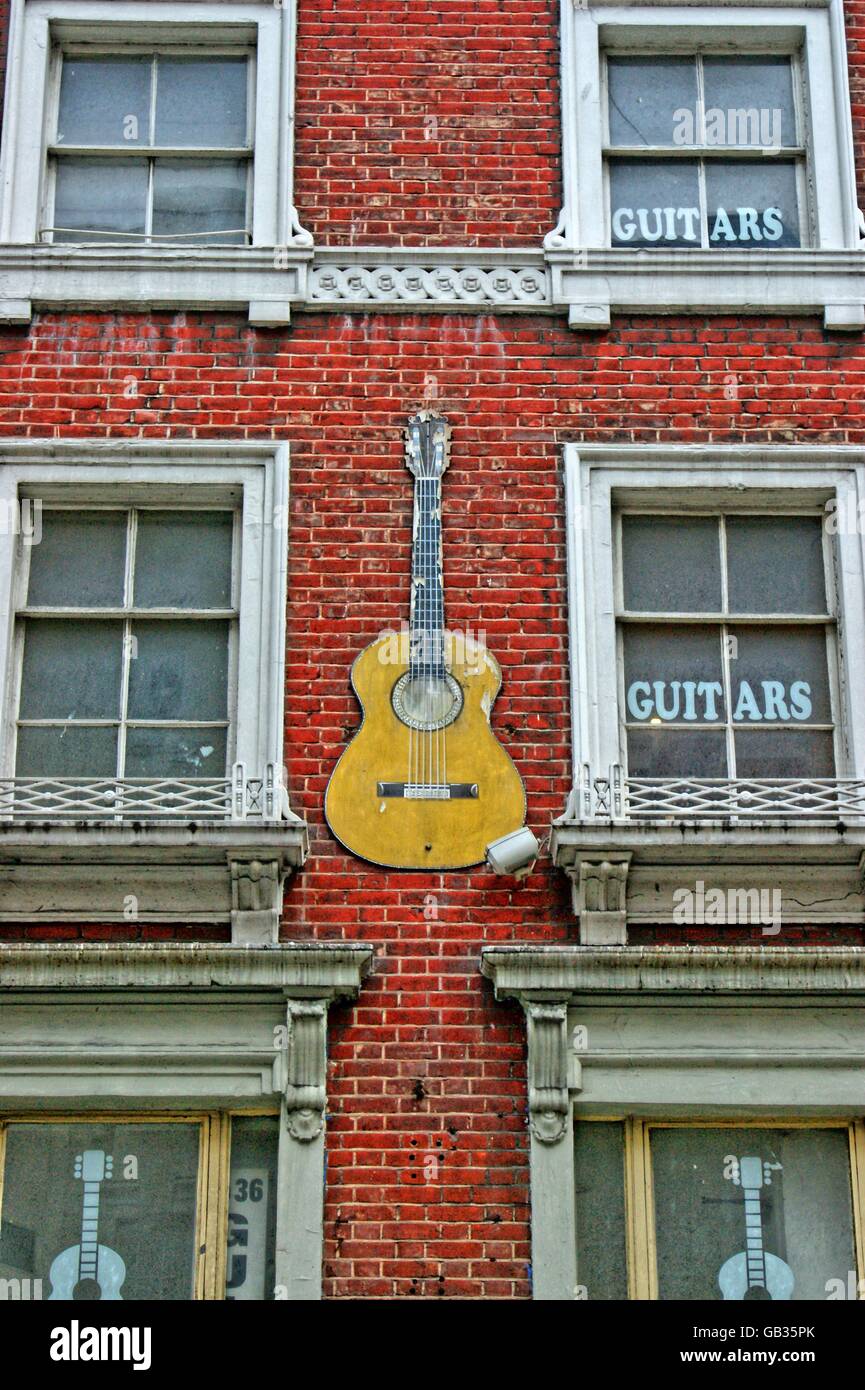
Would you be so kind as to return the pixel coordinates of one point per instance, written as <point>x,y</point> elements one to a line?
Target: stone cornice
<point>321,970</point>
<point>559,972</point>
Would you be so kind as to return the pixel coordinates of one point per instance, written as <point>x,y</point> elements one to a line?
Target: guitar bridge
<point>429,791</point>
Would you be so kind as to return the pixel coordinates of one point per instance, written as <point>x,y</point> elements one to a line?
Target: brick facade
<point>431,124</point>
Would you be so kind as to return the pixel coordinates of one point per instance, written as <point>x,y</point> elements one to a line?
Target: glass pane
<point>671,564</point>
<point>250,1273</point>
<point>104,101</point>
<point>179,671</point>
<point>785,753</point>
<point>780,675</point>
<point>660,752</point>
<point>775,564</point>
<point>71,670</point>
<point>654,202</point>
<point>673,674</point>
<point>183,560</point>
<point>101,1211</point>
<point>749,101</point>
<point>67,750</point>
<point>201,101</point>
<point>752,203</point>
<point>190,196</point>
<point>176,752</point>
<point>780,1196</point>
<point>600,1193</point>
<point>646,96</point>
<point>101,198</point>
<point>79,561</point>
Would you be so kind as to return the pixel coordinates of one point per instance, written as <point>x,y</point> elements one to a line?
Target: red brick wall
<point>427,1153</point>
<point>425,122</point>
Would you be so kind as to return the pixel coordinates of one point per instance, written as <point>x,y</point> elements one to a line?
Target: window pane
<point>799,1229</point>
<point>190,196</point>
<point>785,753</point>
<point>600,1194</point>
<point>179,671</point>
<point>99,1211</point>
<point>660,752</point>
<point>101,197</point>
<point>176,752</point>
<point>749,101</point>
<point>201,101</point>
<point>671,564</point>
<point>780,675</point>
<point>752,203</point>
<point>250,1272</point>
<point>654,202</point>
<point>183,560</point>
<point>775,564</point>
<point>67,750</point>
<point>673,674</point>
<point>71,670</point>
<point>104,101</point>
<point>79,561</point>
<point>644,95</point>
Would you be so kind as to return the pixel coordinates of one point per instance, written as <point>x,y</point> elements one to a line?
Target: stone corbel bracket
<point>548,1069</point>
<point>256,899</point>
<point>599,894</point>
<point>305,1077</point>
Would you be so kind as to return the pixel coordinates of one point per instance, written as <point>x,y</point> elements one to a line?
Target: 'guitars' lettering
<point>698,701</point>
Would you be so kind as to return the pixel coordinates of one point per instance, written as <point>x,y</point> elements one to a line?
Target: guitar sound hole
<point>427,702</point>
<point>86,1290</point>
<point>756,1294</point>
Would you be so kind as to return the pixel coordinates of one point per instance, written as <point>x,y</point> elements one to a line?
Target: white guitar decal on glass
<point>755,1273</point>
<point>89,1270</point>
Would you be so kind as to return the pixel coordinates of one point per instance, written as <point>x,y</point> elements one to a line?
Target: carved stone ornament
<point>599,893</point>
<point>548,1070</point>
<point>306,1069</point>
<point>256,900</point>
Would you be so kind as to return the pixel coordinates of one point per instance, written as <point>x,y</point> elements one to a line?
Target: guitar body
<point>65,1273</point>
<point>734,1283</point>
<point>424,833</point>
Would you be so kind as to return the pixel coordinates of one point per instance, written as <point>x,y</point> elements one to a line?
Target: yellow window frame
<point>212,1189</point>
<point>640,1242</point>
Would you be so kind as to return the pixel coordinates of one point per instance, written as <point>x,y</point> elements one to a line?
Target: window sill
<point>697,872</point>
<point>264,281</point>
<point>594,283</point>
<point>167,871</point>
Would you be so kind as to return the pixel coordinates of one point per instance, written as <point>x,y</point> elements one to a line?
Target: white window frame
<point>591,276</point>
<point>252,478</point>
<point>266,276</point>
<point>599,478</point>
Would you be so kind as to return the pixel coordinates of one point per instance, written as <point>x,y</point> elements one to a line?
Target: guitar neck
<point>427,621</point>
<point>754,1239</point>
<point>89,1244</point>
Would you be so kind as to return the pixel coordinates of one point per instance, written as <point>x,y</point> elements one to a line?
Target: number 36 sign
<point>247,1235</point>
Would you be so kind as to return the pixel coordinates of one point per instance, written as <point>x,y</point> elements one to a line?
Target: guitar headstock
<point>93,1166</point>
<point>427,446</point>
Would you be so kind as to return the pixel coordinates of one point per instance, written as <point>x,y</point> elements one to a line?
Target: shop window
<point>706,150</point>
<point>727,648</point>
<point>728,1212</point>
<point>139,1208</point>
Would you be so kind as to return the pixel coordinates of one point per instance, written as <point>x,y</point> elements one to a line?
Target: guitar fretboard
<point>754,1239</point>
<point>426,626</point>
<point>89,1245</point>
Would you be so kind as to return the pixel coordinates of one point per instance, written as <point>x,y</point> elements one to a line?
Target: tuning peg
<point>109,1167</point>
<point>78,1165</point>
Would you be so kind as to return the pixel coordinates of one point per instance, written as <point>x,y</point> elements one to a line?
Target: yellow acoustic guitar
<point>425,784</point>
